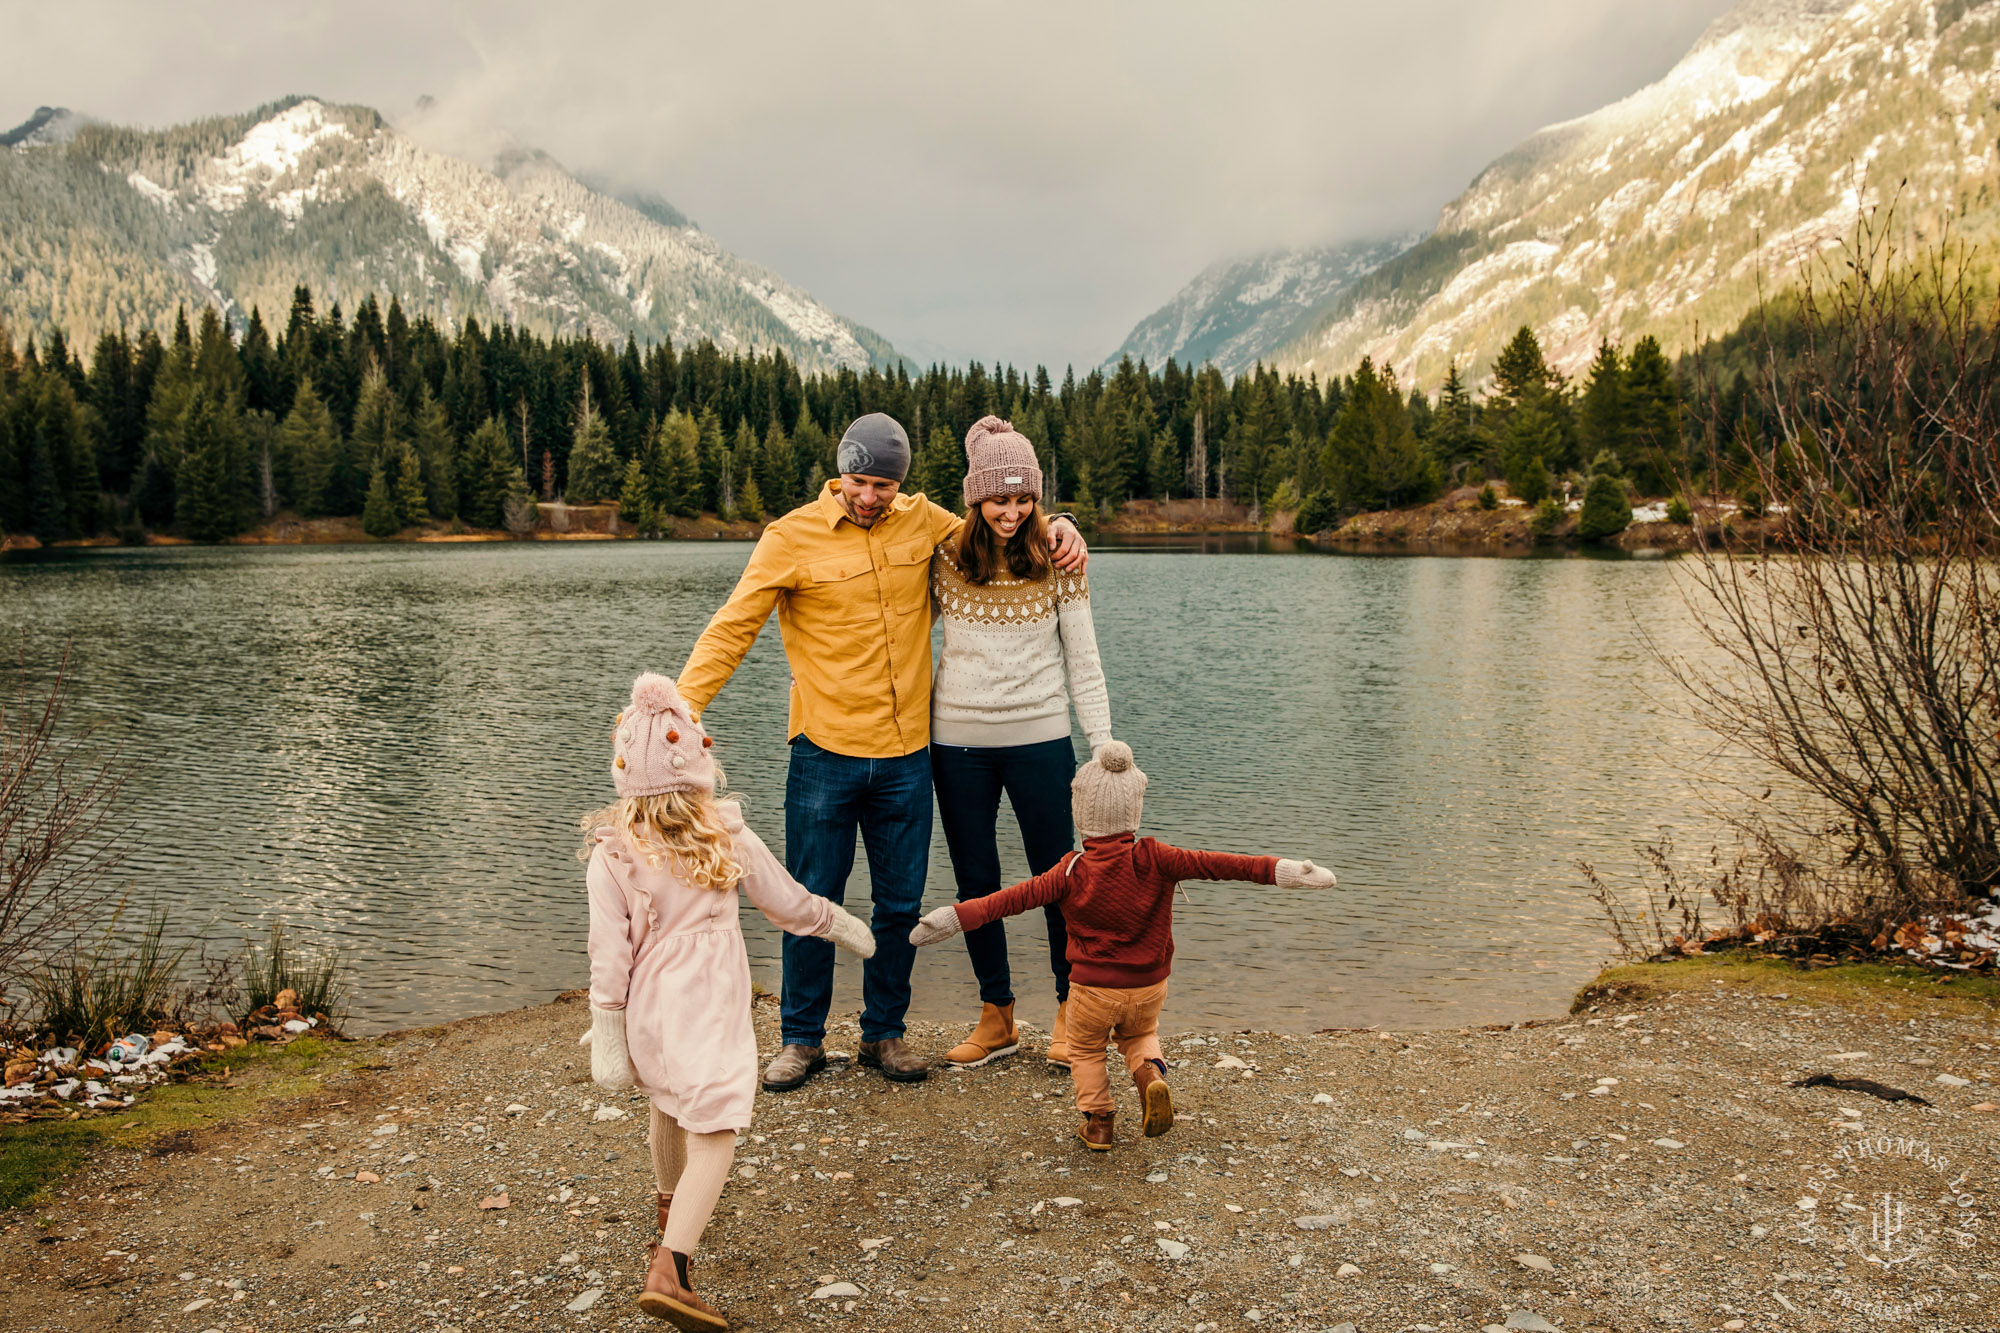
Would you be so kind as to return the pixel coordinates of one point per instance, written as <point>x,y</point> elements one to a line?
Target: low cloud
<point>1018,182</point>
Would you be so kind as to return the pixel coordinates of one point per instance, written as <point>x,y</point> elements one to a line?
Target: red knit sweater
<point>1117,898</point>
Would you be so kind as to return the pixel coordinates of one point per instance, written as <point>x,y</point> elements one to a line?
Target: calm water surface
<point>386,747</point>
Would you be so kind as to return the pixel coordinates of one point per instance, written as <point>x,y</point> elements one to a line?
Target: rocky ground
<point>1642,1164</point>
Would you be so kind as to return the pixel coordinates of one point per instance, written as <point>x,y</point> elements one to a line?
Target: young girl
<point>1117,896</point>
<point>669,978</point>
<point>1019,652</point>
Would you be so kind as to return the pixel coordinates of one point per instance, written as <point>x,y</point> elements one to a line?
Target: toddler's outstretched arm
<point>1186,863</point>
<point>949,920</point>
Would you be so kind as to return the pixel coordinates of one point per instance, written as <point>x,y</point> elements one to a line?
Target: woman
<point>1019,650</point>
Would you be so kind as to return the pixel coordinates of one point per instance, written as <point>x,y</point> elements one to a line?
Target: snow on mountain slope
<point>1239,312</point>
<point>240,210</point>
<point>1670,212</point>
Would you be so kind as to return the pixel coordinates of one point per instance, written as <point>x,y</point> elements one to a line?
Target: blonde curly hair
<point>682,826</point>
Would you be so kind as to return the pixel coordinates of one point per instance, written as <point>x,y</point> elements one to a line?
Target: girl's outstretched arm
<point>1185,863</point>
<point>790,906</point>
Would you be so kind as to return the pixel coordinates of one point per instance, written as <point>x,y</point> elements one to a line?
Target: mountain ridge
<point>1673,211</point>
<point>117,226</point>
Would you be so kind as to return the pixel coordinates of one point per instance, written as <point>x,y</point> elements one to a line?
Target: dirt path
<point>1445,1180</point>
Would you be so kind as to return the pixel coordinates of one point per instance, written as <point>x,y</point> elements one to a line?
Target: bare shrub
<point>1856,649</point>
<point>60,806</point>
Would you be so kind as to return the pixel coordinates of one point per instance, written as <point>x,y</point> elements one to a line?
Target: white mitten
<point>1304,875</point>
<point>851,933</point>
<point>610,1060</point>
<point>939,925</point>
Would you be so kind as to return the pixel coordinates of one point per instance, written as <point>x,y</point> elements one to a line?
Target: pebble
<point>569,1257</point>
<point>1173,1249</point>
<point>1440,1268</point>
<point>1322,1099</point>
<point>1534,1261</point>
<point>1850,1055</point>
<point>1734,1324</point>
<point>1669,1144</point>
<point>1316,1222</point>
<point>1526,1321</point>
<point>515,1108</point>
<point>367,1178</point>
<point>835,1290</point>
<point>583,1300</point>
<point>1065,1201</point>
<point>1954,1081</point>
<point>1156,1178</point>
<point>383,1131</point>
<point>192,1306</point>
<point>496,1201</point>
<point>1415,1135</point>
<point>1347,1270</point>
<point>1230,1062</point>
<point>1987,1106</point>
<point>609,1113</point>
<point>1344,1328</point>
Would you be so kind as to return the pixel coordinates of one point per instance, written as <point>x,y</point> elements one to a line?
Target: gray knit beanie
<point>1106,795</point>
<point>999,461</point>
<point>875,446</point>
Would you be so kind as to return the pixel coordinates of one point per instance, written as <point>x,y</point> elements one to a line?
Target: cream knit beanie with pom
<point>999,461</point>
<point>1106,795</point>
<point>657,746</point>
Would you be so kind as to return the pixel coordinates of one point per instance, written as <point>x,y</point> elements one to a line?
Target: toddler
<point>1117,898</point>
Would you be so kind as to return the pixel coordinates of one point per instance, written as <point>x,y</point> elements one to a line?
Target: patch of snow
<point>270,151</point>
<point>165,198</point>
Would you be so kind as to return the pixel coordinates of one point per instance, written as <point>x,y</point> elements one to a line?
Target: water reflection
<point>387,747</point>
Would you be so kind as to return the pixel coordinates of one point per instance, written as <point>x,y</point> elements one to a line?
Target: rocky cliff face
<point>1239,312</point>
<point>120,225</point>
<point>1668,213</point>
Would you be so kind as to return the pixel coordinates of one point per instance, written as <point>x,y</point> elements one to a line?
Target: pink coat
<point>672,958</point>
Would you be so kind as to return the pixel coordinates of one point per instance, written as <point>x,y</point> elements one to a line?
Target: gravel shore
<point>1643,1164</point>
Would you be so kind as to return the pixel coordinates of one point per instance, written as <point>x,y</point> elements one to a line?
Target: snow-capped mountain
<point>1239,312</point>
<point>1671,212</point>
<point>120,225</point>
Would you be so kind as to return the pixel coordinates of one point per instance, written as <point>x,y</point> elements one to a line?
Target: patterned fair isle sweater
<point>1016,655</point>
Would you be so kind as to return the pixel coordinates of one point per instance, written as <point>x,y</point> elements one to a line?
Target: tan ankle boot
<point>1156,1097</point>
<point>667,1295</point>
<point>1059,1038</point>
<point>994,1037</point>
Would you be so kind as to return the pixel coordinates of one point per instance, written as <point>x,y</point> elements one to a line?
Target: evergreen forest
<point>213,430</point>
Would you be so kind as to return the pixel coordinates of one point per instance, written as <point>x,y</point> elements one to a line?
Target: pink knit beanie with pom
<point>999,461</point>
<point>658,746</point>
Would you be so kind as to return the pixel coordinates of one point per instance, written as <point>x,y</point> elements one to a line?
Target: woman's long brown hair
<point>1026,553</point>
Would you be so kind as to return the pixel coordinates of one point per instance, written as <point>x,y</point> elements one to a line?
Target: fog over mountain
<point>1019,182</point>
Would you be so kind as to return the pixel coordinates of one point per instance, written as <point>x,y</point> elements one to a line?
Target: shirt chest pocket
<point>908,577</point>
<point>840,589</point>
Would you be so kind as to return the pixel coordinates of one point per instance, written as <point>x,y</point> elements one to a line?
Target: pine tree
<point>713,464</point>
<point>678,484</point>
<point>1372,455</point>
<point>1520,369</point>
<point>412,500</point>
<point>1653,454</point>
<point>1605,422</point>
<point>1453,440</point>
<point>931,472</point>
<point>778,477</point>
<point>378,511</point>
<point>635,501</point>
<point>750,504</point>
<point>489,475</point>
<point>206,506</point>
<point>307,442</point>
<point>436,454</point>
<point>594,473</point>
<point>1533,440</point>
<point>743,474</point>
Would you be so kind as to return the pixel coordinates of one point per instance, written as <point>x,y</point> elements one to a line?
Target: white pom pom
<point>1115,757</point>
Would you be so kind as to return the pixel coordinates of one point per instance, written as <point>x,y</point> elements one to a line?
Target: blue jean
<point>1035,778</point>
<point>827,797</point>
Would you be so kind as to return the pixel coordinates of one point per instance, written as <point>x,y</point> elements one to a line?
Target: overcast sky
<point>1016,181</point>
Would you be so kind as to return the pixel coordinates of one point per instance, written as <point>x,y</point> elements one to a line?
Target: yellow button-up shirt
<point>854,607</point>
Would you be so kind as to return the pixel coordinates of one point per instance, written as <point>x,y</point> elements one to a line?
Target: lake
<point>387,748</point>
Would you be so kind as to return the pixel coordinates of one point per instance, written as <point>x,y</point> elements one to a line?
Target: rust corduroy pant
<point>1100,1014</point>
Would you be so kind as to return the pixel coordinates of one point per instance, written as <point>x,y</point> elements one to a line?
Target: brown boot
<point>667,1295</point>
<point>1096,1131</point>
<point>994,1037</point>
<point>1059,1038</point>
<point>898,1063</point>
<point>1156,1097</point>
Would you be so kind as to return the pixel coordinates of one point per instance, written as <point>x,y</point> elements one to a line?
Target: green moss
<point>1887,988</point>
<point>37,1155</point>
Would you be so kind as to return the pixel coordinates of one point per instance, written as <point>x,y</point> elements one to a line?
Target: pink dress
<point>672,958</point>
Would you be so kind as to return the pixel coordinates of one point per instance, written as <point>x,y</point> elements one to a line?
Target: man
<point>849,576</point>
